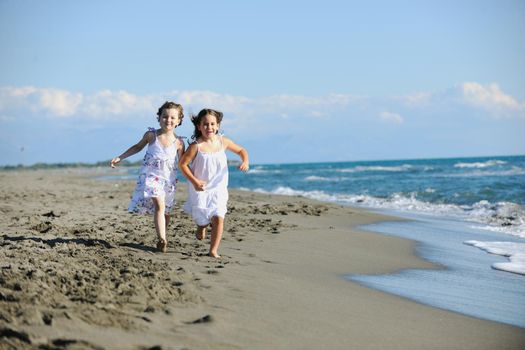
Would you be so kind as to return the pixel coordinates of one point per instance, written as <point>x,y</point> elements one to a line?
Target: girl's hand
<point>199,185</point>
<point>244,167</point>
<point>114,162</point>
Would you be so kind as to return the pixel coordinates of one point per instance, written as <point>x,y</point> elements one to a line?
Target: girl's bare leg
<point>216,235</point>
<point>160,223</point>
<point>200,233</point>
<point>167,219</point>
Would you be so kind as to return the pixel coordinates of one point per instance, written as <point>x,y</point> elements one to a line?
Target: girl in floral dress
<point>155,190</point>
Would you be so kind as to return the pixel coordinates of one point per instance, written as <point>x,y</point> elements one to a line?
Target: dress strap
<point>222,141</point>
<point>154,131</point>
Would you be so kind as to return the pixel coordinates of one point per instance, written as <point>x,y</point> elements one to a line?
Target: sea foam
<point>514,171</point>
<point>313,178</point>
<point>360,168</point>
<point>514,251</point>
<point>260,170</point>
<point>488,163</point>
<point>504,217</point>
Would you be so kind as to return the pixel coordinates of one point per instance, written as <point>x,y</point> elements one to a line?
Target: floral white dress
<point>157,177</point>
<point>211,167</point>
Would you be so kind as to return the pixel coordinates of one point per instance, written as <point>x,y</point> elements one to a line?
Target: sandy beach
<point>79,272</point>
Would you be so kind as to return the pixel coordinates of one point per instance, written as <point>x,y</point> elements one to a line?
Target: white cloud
<point>266,120</point>
<point>490,98</point>
<point>391,117</point>
<point>415,99</point>
<point>317,114</point>
<point>59,102</point>
<point>245,112</point>
<point>20,91</point>
<point>293,102</point>
<point>209,99</point>
<point>106,103</point>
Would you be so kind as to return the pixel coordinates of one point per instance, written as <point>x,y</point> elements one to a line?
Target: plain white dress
<point>211,167</point>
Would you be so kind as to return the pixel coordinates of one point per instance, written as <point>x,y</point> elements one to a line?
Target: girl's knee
<point>158,204</point>
<point>217,222</point>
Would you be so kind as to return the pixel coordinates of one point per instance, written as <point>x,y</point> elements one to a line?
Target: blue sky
<point>298,81</point>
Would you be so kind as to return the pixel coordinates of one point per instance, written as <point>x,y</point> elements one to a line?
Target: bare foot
<point>214,255</point>
<point>162,246</point>
<point>200,234</point>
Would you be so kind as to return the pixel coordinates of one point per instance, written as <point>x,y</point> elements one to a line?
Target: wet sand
<point>79,272</point>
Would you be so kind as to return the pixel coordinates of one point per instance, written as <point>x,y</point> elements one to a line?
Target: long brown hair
<point>196,120</point>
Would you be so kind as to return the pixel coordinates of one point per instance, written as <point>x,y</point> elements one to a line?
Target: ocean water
<point>468,215</point>
<point>466,283</point>
<point>488,191</point>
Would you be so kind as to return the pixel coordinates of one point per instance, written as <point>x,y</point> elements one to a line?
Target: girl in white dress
<point>155,190</point>
<point>206,167</point>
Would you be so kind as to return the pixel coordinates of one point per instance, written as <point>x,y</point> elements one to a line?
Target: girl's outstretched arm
<point>241,152</point>
<point>136,148</point>
<point>184,166</point>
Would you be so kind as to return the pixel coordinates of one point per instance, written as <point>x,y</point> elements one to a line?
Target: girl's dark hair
<point>172,105</point>
<point>196,120</point>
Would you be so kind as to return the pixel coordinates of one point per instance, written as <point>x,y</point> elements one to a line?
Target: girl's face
<point>169,119</point>
<point>208,126</point>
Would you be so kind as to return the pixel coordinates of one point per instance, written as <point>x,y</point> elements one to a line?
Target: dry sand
<point>78,272</point>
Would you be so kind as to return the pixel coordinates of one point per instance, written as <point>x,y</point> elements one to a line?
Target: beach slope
<point>78,272</point>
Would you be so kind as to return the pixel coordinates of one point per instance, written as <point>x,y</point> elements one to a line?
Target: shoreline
<point>93,278</point>
<point>468,284</point>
